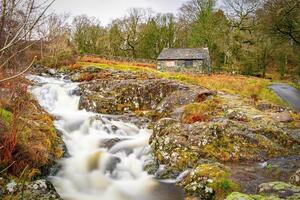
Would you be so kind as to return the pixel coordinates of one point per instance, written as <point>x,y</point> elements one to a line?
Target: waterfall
<point>107,156</point>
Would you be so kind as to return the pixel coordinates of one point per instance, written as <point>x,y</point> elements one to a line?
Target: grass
<point>28,137</point>
<point>91,59</point>
<point>201,111</point>
<point>6,115</point>
<point>249,87</point>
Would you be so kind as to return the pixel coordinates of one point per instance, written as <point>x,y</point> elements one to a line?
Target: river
<point>106,156</point>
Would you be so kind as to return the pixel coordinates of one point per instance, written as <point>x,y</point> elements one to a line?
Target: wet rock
<point>109,143</point>
<point>251,174</point>
<point>295,178</point>
<point>151,166</point>
<point>52,71</point>
<point>282,117</point>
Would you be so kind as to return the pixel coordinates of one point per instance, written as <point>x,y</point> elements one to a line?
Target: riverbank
<point>30,145</point>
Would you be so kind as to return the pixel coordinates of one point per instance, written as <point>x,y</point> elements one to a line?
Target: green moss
<point>240,196</point>
<point>213,178</point>
<point>268,95</point>
<point>223,187</point>
<point>295,85</point>
<point>6,116</point>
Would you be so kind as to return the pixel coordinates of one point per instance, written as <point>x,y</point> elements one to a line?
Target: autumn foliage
<point>27,136</point>
<point>94,59</point>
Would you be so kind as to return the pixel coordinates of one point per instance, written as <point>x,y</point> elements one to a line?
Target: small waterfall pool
<point>107,156</point>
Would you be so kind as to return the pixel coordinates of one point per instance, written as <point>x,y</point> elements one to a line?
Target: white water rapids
<point>95,171</point>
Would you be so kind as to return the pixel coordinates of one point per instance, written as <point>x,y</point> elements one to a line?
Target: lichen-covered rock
<point>281,190</point>
<point>127,93</point>
<point>241,196</point>
<point>208,181</point>
<point>182,145</point>
<point>270,191</point>
<point>36,190</point>
<point>282,117</point>
<point>121,96</point>
<point>295,178</point>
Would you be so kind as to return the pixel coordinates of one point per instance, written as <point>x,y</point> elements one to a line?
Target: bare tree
<point>191,11</point>
<point>130,30</point>
<point>18,21</point>
<point>282,18</point>
<point>242,12</point>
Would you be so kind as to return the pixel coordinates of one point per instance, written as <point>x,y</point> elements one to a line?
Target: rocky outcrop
<point>119,93</point>
<point>221,139</point>
<point>195,130</point>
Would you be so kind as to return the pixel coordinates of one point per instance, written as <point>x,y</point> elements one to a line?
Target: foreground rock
<point>36,190</point>
<point>221,139</point>
<point>123,96</point>
<point>270,191</point>
<point>199,137</point>
<point>140,93</point>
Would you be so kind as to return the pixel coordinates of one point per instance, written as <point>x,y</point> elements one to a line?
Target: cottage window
<point>170,63</point>
<point>189,63</point>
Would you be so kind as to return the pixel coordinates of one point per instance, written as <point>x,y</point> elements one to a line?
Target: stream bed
<point>106,156</point>
<point>111,156</point>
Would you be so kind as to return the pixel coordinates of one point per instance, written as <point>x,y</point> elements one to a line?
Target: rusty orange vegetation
<point>93,59</point>
<point>190,119</point>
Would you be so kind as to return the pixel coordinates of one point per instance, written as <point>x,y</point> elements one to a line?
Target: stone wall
<point>199,66</point>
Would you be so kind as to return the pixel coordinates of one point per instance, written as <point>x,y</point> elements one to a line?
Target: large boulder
<point>181,145</point>
<point>120,96</point>
<point>117,95</point>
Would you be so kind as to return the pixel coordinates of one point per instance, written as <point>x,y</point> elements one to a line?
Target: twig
<point>19,74</point>
<point>15,54</point>
<point>7,167</point>
<point>23,182</point>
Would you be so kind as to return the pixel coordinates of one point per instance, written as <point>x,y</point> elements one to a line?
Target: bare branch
<point>18,37</point>
<point>19,74</point>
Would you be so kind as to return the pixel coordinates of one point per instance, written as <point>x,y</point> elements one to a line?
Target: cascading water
<point>106,156</point>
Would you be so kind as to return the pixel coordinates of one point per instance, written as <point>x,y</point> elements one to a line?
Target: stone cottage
<point>186,60</point>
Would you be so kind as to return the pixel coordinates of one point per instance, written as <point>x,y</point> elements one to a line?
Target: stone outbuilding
<point>186,60</point>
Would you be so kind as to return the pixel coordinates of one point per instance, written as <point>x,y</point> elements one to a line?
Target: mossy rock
<point>208,181</point>
<point>240,196</point>
<point>271,191</point>
<point>281,190</point>
<point>223,139</point>
<point>127,92</point>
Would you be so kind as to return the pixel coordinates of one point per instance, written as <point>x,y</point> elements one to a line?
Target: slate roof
<point>184,54</point>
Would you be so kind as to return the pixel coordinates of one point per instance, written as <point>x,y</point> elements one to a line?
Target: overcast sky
<point>106,10</point>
